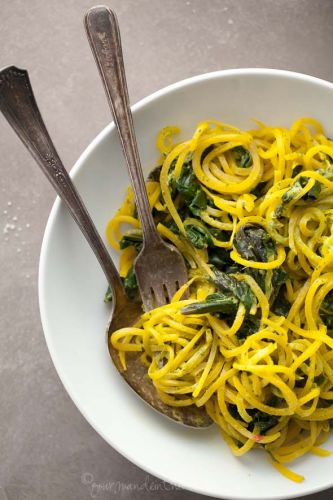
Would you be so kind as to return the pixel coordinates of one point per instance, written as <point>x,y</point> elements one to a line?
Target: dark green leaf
<point>275,401</point>
<point>297,170</point>
<point>230,285</point>
<point>242,157</point>
<point>108,295</point>
<point>184,212</point>
<point>281,306</point>
<point>264,421</point>
<point>254,243</point>
<point>279,277</point>
<point>206,152</point>
<point>154,175</point>
<point>187,184</point>
<point>190,190</point>
<point>214,303</point>
<point>198,235</point>
<point>130,284</point>
<point>320,379</point>
<point>324,403</point>
<point>326,310</point>
<point>219,234</point>
<point>250,325</point>
<point>132,238</point>
<point>199,202</point>
<point>260,189</point>
<point>259,275</point>
<point>171,180</point>
<point>172,226</point>
<point>219,257</point>
<point>279,212</point>
<point>234,412</point>
<point>292,192</point>
<point>300,380</point>
<point>297,187</point>
<point>314,192</point>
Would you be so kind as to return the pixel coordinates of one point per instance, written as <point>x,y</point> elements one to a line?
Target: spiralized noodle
<point>263,369</point>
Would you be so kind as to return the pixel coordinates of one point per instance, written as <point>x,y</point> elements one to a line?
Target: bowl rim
<point>46,238</point>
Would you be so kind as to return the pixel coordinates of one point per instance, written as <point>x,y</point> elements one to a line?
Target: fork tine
<point>160,297</point>
<point>147,298</point>
<point>171,287</point>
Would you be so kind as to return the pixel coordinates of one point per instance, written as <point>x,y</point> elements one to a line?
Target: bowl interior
<point>72,287</point>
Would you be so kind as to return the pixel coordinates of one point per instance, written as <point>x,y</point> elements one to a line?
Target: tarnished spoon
<point>18,104</point>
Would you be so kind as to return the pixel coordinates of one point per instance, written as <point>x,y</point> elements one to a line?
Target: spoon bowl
<point>18,104</point>
<point>127,313</point>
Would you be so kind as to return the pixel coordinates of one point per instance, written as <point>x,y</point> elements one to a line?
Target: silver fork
<point>159,267</point>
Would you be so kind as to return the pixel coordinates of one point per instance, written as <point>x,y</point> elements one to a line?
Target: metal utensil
<point>18,104</point>
<point>159,267</point>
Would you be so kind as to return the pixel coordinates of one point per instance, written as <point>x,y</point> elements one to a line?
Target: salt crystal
<point>8,227</point>
<point>5,212</point>
<point>14,218</point>
<point>9,203</point>
<point>27,225</point>
<point>230,21</point>
<point>18,250</point>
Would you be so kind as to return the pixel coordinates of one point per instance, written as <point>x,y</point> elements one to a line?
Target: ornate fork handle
<point>18,104</point>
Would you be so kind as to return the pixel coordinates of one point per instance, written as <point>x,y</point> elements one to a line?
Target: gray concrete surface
<point>48,450</point>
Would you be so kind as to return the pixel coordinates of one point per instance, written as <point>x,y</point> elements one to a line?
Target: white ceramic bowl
<point>72,286</point>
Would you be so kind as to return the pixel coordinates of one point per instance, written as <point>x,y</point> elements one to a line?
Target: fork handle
<point>18,104</point>
<point>104,37</point>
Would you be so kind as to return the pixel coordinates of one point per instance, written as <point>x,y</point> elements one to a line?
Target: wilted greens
<point>242,157</point>
<point>132,238</point>
<point>294,191</point>
<point>254,243</point>
<point>281,306</point>
<point>190,190</point>
<point>263,421</point>
<point>226,301</point>
<point>326,310</point>
<point>239,289</point>
<point>214,303</point>
<point>131,285</point>
<point>198,235</point>
<point>154,175</point>
<point>219,257</point>
<point>250,325</point>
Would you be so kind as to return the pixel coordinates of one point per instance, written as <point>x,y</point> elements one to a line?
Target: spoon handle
<point>18,104</point>
<point>103,34</point>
